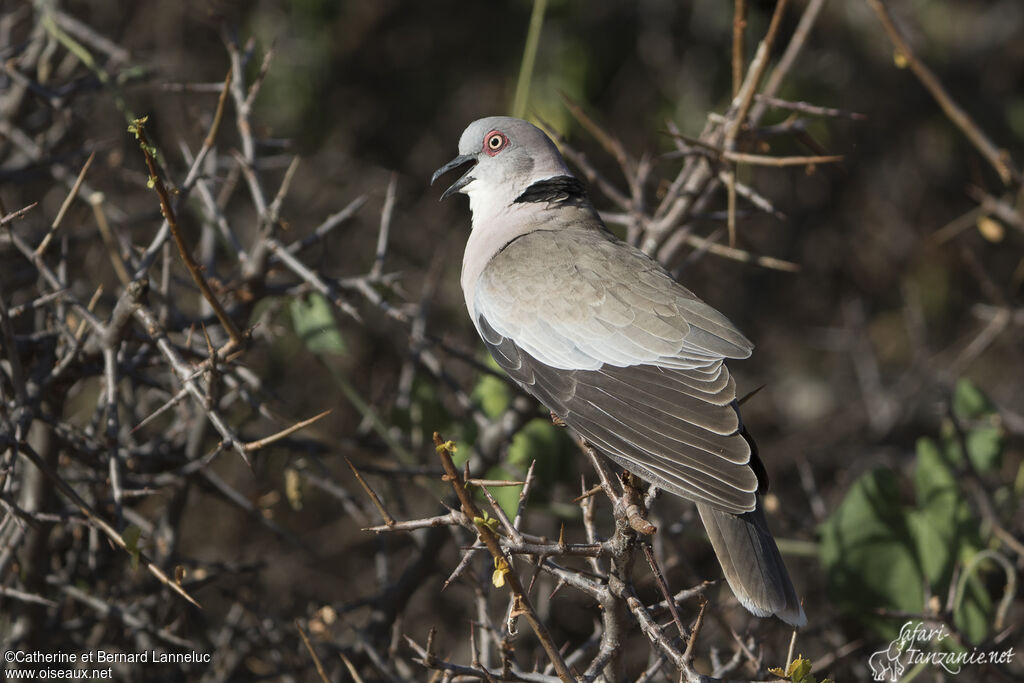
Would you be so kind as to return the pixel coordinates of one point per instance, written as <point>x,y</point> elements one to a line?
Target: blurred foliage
<point>313,322</point>
<point>539,442</point>
<point>882,552</point>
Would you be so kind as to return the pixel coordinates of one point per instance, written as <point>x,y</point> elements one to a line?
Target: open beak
<point>466,179</point>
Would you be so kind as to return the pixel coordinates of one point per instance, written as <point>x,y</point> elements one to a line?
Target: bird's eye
<point>494,142</point>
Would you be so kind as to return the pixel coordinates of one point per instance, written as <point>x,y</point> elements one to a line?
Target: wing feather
<point>577,298</point>
<point>676,427</point>
<point>630,359</point>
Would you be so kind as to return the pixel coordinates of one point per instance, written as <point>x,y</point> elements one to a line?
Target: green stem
<point>529,58</point>
<point>86,58</point>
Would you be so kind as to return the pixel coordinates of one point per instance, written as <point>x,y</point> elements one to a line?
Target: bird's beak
<point>466,179</point>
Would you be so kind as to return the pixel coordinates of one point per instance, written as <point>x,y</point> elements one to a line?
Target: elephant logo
<point>885,664</point>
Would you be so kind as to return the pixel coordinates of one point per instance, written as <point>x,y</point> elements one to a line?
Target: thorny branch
<point>165,375</point>
<point>613,586</point>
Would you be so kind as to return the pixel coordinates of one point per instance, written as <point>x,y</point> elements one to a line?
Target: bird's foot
<point>633,502</point>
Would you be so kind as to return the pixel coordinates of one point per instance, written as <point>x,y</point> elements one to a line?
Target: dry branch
<point>999,159</point>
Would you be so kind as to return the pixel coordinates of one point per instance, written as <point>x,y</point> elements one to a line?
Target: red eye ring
<point>494,142</point>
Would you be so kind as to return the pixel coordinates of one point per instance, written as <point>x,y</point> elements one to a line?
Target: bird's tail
<point>752,563</point>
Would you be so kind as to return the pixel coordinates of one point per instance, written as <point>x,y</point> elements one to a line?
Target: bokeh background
<point>894,351</point>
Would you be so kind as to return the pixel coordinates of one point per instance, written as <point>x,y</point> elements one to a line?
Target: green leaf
<point>314,323</point>
<point>537,440</point>
<point>799,669</point>
<point>135,125</point>
<point>487,521</point>
<point>934,539</point>
<point>493,394</point>
<point>131,536</point>
<point>969,402</point>
<point>934,482</point>
<point>878,552</point>
<point>983,435</point>
<point>507,496</point>
<point>941,520</point>
<point>549,445</point>
<point>985,448</point>
<point>431,414</point>
<point>868,550</point>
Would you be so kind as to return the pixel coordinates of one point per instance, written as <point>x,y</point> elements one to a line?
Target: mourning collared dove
<point>602,335</point>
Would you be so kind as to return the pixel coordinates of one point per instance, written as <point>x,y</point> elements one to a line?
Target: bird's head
<point>507,156</point>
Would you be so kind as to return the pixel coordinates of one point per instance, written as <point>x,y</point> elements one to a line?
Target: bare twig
<point>388,519</point>
<point>739,25</point>
<point>385,227</point>
<point>267,440</point>
<point>999,159</point>
<point>312,653</point>
<point>15,215</point>
<point>490,539</point>
<point>186,255</point>
<point>65,205</point>
<point>102,525</point>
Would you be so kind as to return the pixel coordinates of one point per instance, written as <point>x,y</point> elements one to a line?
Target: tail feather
<point>752,563</point>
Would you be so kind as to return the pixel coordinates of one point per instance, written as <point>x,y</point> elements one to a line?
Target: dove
<point>629,359</point>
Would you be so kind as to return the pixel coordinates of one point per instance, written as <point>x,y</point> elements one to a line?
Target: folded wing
<point>630,359</point>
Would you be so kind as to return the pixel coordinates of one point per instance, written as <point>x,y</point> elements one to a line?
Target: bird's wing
<point>577,298</point>
<point>626,356</point>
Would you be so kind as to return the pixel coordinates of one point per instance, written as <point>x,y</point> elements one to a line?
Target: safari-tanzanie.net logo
<point>918,644</point>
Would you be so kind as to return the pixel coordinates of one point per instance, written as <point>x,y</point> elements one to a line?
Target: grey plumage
<point>607,340</point>
<point>752,563</point>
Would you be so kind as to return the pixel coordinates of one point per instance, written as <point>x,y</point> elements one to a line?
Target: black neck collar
<point>562,188</point>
